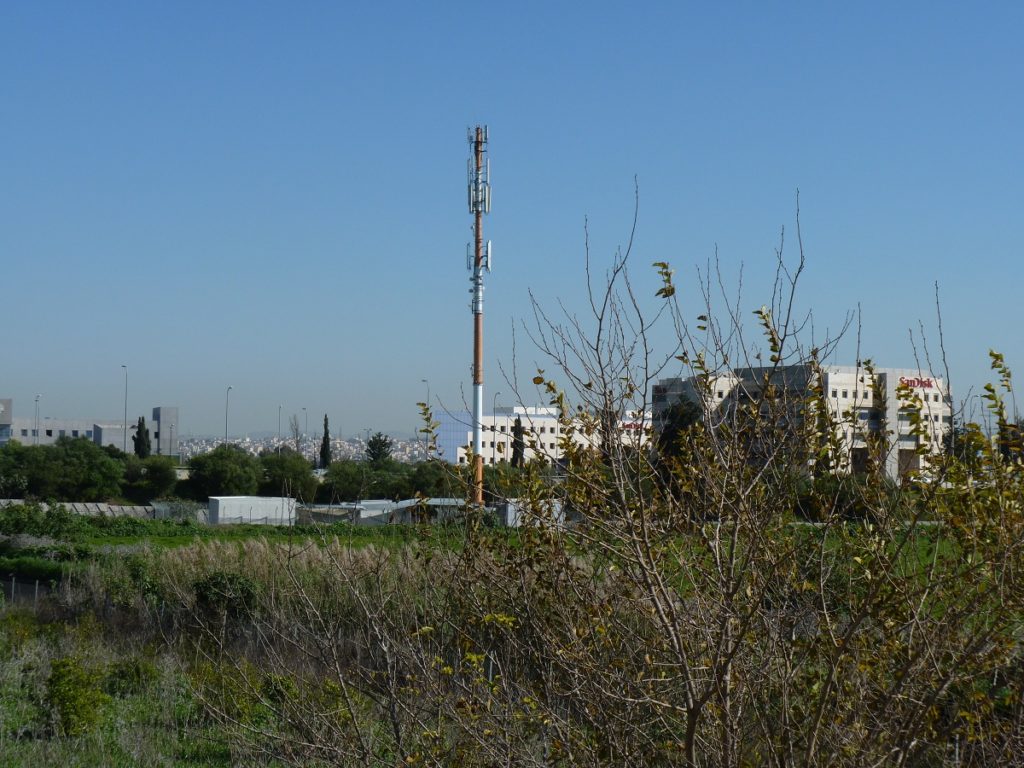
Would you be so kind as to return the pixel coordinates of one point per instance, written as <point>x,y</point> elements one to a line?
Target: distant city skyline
<point>272,197</point>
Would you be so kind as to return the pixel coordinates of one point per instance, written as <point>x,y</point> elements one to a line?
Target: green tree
<point>679,418</point>
<point>391,480</point>
<point>325,446</point>
<point>345,480</point>
<point>14,479</point>
<point>72,469</point>
<point>434,479</point>
<point>227,470</point>
<point>140,439</point>
<point>287,474</point>
<point>149,478</point>
<point>379,449</point>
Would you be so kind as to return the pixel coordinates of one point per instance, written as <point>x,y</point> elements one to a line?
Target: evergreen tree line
<point>78,470</point>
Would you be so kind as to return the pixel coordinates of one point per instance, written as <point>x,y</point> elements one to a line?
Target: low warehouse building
<point>255,510</point>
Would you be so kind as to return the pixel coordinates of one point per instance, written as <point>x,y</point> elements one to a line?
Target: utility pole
<point>125,446</point>
<point>479,173</point>
<point>227,402</point>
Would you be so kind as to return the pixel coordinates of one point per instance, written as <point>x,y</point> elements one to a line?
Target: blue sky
<point>271,195</point>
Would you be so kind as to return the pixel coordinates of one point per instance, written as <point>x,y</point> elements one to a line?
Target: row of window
<point>526,430</point>
<point>60,433</point>
<point>905,417</point>
<point>462,459</point>
<point>865,395</point>
<point>868,394</point>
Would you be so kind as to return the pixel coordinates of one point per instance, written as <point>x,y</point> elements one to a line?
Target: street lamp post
<point>125,446</point>
<point>36,430</point>
<point>170,443</point>
<point>227,401</point>
<point>305,430</point>
<point>494,426</point>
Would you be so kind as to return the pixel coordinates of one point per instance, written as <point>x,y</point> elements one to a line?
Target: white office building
<point>543,434</point>
<point>860,406</point>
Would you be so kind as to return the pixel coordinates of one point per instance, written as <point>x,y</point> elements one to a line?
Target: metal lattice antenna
<point>479,196</point>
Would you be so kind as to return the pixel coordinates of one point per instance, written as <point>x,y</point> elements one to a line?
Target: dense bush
<point>349,480</point>
<point>72,469</point>
<point>226,597</point>
<point>75,696</point>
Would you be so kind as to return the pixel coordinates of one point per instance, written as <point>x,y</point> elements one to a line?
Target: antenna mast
<point>479,172</point>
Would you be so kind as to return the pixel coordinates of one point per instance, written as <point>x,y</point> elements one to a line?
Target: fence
<point>25,592</point>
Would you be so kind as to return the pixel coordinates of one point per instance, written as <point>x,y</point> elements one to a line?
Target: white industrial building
<point>254,510</point>
<point>542,434</point>
<point>861,404</point>
<point>43,430</point>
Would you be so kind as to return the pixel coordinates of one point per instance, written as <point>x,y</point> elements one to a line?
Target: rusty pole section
<point>479,204</point>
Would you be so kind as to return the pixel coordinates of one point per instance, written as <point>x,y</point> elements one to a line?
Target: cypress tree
<point>325,446</point>
<point>141,439</point>
<point>518,444</point>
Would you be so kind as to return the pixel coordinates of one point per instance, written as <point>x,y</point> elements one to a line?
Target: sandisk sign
<point>916,383</point>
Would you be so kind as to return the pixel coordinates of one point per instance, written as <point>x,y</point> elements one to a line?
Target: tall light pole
<point>305,429</point>
<point>125,446</point>
<point>36,430</point>
<point>170,444</point>
<point>494,425</point>
<point>227,400</point>
<point>279,428</point>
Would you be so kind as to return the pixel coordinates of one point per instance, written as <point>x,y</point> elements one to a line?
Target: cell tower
<point>477,261</point>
